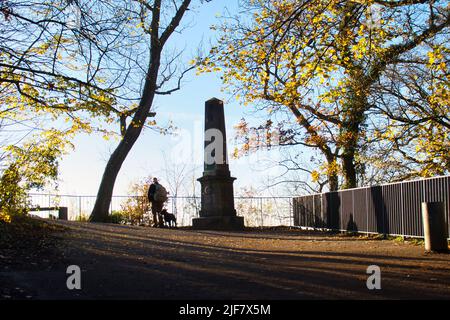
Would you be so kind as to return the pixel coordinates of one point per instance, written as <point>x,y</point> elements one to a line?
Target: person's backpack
<point>160,194</point>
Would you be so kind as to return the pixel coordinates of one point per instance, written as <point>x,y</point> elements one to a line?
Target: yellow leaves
<point>315,175</point>
<point>41,49</point>
<point>431,57</point>
<point>439,97</point>
<point>30,90</point>
<point>361,30</point>
<point>431,146</point>
<point>327,169</point>
<point>101,97</point>
<point>333,168</point>
<point>317,18</point>
<point>290,89</point>
<point>315,139</point>
<point>436,59</point>
<point>61,39</point>
<point>4,217</point>
<point>236,153</point>
<point>80,126</point>
<point>418,148</point>
<point>361,48</point>
<point>243,52</point>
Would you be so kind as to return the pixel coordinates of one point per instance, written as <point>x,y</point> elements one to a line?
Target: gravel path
<point>123,262</point>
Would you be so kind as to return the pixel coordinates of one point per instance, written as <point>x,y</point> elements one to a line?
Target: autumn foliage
<point>329,68</point>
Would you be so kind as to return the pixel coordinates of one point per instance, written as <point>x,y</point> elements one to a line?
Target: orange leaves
<point>315,139</point>
<point>263,137</point>
<point>241,127</point>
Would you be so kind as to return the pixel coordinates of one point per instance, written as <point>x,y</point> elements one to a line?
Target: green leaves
<point>32,165</point>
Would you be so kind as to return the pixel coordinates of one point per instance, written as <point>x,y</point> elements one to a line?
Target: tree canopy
<point>72,66</point>
<point>345,75</point>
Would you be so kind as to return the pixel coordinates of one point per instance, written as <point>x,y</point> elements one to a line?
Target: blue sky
<point>81,170</point>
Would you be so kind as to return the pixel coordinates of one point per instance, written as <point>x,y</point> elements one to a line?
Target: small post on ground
<point>63,213</point>
<point>434,227</point>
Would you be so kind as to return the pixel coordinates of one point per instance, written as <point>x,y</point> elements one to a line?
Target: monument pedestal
<point>228,223</point>
<point>217,199</point>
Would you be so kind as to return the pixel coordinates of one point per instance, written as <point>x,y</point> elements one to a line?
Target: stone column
<point>217,198</point>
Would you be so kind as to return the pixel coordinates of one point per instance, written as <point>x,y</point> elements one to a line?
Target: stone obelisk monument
<point>217,198</point>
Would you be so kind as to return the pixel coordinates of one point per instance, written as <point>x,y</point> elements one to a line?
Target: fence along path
<point>393,209</point>
<point>258,211</point>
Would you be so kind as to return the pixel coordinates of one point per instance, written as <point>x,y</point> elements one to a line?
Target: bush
<point>5,218</point>
<point>13,196</point>
<point>117,217</point>
<point>82,218</point>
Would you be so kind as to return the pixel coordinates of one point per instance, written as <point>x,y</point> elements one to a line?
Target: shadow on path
<point>142,263</point>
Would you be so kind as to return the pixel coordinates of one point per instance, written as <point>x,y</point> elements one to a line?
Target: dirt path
<point>145,263</point>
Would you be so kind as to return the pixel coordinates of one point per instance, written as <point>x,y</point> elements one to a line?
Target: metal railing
<point>257,211</point>
<point>393,209</point>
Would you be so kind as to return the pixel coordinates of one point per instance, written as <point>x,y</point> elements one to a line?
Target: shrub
<point>13,196</point>
<point>82,218</point>
<point>117,217</point>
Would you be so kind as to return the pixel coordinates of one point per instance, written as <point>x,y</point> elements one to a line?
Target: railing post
<point>322,211</point>
<point>403,209</point>
<point>261,209</point>
<point>291,213</point>
<point>174,205</point>
<point>353,208</point>
<point>367,210</point>
<point>314,211</point>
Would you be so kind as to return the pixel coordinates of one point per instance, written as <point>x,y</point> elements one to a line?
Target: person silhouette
<point>157,206</point>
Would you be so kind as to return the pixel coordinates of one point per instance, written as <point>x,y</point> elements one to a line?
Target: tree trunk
<point>332,175</point>
<point>103,201</point>
<point>100,212</point>
<point>333,183</point>
<point>348,166</point>
<point>351,133</point>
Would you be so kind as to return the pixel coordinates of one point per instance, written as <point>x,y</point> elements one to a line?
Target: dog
<point>169,218</point>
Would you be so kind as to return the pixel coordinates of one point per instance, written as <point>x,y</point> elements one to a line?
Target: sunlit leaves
<point>321,60</point>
